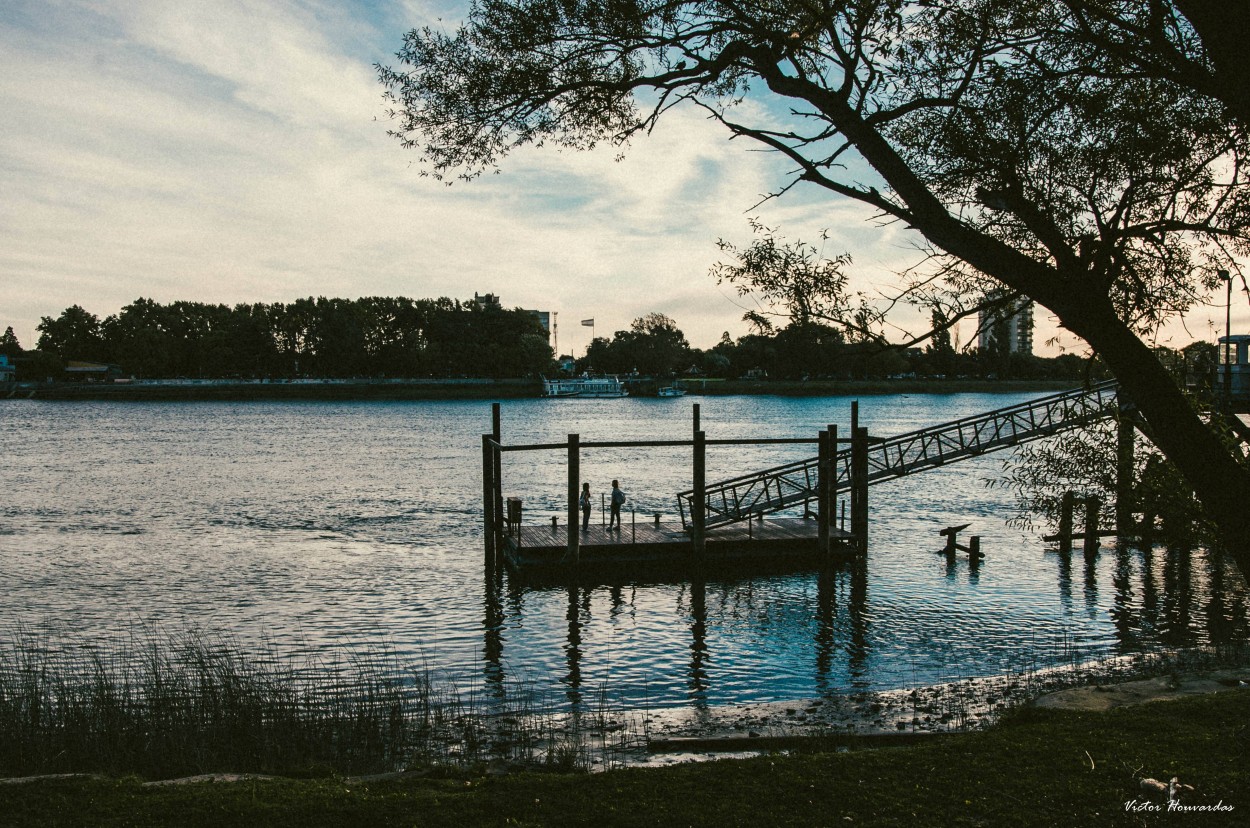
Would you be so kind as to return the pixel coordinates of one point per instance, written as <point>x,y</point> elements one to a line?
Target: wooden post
<point>1093,504</point>
<point>859,488</point>
<point>831,480</point>
<point>1126,446</point>
<point>488,499</point>
<point>696,418</point>
<point>1066,505</point>
<point>497,466</point>
<point>822,493</point>
<point>575,474</point>
<point>853,495</point>
<point>698,506</point>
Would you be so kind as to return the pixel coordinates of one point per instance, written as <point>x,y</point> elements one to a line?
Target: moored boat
<point>585,386</point>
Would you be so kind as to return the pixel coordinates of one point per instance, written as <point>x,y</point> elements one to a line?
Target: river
<point>301,525</point>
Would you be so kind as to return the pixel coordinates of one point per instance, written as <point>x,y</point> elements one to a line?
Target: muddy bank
<point>899,717</point>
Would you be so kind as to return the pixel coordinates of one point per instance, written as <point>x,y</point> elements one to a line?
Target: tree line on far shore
<point>407,338</point>
<point>315,337</point>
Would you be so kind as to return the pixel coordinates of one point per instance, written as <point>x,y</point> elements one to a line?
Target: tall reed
<point>170,704</point>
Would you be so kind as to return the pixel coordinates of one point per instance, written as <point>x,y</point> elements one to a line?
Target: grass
<point>169,705</point>
<point>1037,768</point>
<point>162,706</point>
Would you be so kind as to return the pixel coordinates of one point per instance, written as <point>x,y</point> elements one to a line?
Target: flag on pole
<point>589,323</point>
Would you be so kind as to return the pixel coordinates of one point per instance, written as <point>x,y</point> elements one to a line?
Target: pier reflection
<point>573,647</point>
<point>1064,578</point>
<point>697,679</point>
<point>1122,606</point>
<point>492,635</point>
<point>778,613</point>
<point>1091,582</point>
<point>826,635</point>
<point>701,641</point>
<point>1174,595</point>
<point>857,611</point>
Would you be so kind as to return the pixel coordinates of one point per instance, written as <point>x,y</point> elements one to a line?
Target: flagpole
<point>589,323</point>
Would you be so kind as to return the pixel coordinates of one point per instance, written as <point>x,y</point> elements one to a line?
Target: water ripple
<point>300,525</point>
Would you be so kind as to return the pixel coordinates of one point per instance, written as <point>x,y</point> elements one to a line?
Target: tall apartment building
<point>1014,321</point>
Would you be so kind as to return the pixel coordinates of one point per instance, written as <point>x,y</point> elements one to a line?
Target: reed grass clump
<point>163,705</point>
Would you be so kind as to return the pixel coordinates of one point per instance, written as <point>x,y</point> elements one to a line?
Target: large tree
<point>1088,154</point>
<point>74,335</point>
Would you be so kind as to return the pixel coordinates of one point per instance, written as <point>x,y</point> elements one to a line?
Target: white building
<point>1015,321</point>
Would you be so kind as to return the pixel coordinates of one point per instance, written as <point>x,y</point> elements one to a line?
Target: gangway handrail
<point>739,498</point>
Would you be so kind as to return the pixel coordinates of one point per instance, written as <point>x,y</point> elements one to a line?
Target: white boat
<point>671,391</point>
<point>585,386</point>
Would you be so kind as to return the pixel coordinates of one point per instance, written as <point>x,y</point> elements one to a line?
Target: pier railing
<point>794,484</point>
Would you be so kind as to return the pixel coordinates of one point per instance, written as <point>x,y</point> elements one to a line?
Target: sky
<point>234,151</point>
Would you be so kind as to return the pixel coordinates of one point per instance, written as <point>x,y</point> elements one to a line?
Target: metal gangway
<point>794,484</point>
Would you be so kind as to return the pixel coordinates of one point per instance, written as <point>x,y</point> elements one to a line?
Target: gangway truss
<point>794,484</point>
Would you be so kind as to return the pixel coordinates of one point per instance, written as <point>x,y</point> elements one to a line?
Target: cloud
<point>236,151</point>
<point>228,151</point>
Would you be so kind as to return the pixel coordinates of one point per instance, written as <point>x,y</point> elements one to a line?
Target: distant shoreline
<point>482,389</point>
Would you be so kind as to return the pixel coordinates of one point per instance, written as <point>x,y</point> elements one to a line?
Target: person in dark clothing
<point>584,502</point>
<point>618,500</point>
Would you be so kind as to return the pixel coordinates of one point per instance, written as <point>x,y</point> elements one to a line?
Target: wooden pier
<point>646,547</point>
<point>713,514</point>
<point>650,547</point>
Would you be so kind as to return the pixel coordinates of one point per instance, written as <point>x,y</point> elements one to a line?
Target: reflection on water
<point>305,524</point>
<point>698,642</point>
<point>1206,603</point>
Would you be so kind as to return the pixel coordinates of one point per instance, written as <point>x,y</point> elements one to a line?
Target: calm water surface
<point>308,524</point>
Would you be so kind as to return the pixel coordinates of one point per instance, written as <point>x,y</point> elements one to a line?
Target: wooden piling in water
<point>1090,534</point>
<point>822,493</point>
<point>575,474</point>
<point>698,504</point>
<point>488,499</point>
<point>831,481</point>
<point>497,468</point>
<point>859,488</point>
<point>1093,505</point>
<point>1066,505</point>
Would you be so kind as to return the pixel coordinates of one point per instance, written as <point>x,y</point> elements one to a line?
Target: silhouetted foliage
<point>318,337</point>
<point>653,346</point>
<point>9,346</point>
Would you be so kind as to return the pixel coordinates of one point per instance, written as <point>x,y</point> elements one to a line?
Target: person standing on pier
<point>618,499</point>
<point>584,500</point>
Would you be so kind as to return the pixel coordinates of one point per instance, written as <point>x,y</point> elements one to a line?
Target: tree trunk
<point>1221,484</point>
